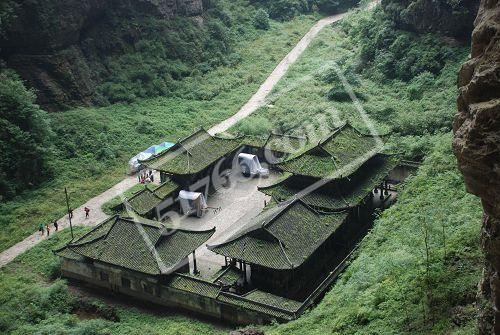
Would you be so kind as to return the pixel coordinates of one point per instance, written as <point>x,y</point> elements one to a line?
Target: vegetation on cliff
<point>448,17</point>
<point>24,137</point>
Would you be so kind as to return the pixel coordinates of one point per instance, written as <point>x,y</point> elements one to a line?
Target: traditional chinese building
<point>278,263</point>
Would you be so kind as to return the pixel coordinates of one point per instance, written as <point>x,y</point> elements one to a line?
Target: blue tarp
<point>134,164</point>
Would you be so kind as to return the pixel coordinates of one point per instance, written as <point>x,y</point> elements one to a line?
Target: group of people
<point>146,176</point>
<point>45,228</point>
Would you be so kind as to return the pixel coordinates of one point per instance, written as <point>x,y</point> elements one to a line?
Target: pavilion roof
<point>145,200</point>
<point>339,155</point>
<point>282,237</point>
<point>193,153</point>
<point>332,195</point>
<point>137,244</point>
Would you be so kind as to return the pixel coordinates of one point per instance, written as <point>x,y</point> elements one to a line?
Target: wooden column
<point>195,269</point>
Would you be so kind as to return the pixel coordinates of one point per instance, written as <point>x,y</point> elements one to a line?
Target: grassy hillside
<point>93,145</point>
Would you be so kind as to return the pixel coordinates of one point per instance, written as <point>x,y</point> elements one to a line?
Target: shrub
<point>261,19</point>
<point>394,53</point>
<point>25,137</point>
<point>256,125</point>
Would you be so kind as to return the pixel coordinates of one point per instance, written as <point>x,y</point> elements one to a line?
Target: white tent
<point>250,165</point>
<point>133,163</point>
<point>192,203</point>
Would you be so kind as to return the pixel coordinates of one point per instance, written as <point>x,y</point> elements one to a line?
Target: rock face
<point>49,42</point>
<point>477,147</point>
<point>448,17</point>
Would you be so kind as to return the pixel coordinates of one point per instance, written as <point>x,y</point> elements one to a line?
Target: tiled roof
<point>136,244</point>
<point>285,143</point>
<point>194,285</point>
<point>229,276</point>
<point>145,200</point>
<point>339,155</point>
<point>258,301</point>
<point>273,300</point>
<point>258,306</point>
<point>334,195</point>
<point>193,154</point>
<point>283,237</point>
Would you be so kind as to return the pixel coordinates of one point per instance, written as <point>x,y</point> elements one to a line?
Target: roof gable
<point>193,154</point>
<point>338,156</point>
<point>284,241</point>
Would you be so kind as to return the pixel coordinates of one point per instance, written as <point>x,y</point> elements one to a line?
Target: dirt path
<point>259,98</point>
<point>256,101</point>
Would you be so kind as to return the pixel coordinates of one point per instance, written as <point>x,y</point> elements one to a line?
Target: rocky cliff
<point>452,18</point>
<point>54,45</point>
<point>477,147</point>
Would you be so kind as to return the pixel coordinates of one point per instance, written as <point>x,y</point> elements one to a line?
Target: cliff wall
<point>477,147</point>
<point>56,46</point>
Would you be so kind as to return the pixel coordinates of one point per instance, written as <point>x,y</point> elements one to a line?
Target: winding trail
<point>256,101</point>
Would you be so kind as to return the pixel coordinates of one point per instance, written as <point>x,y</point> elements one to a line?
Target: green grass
<point>94,144</point>
<point>299,103</point>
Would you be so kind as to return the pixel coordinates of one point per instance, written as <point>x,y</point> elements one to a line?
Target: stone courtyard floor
<point>239,204</point>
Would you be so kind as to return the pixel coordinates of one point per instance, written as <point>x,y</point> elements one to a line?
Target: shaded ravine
<point>256,101</point>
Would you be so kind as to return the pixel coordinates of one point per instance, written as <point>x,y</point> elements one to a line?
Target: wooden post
<point>195,269</point>
<point>69,215</point>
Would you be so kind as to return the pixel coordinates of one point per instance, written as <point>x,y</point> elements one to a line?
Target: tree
<point>24,137</point>
<point>261,19</point>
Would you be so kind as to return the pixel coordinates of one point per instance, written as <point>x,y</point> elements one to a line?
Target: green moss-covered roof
<point>145,200</point>
<point>273,300</point>
<point>285,143</point>
<point>334,195</point>
<point>257,306</point>
<point>338,156</point>
<point>194,285</point>
<point>193,154</point>
<point>165,189</point>
<point>127,242</point>
<point>258,301</point>
<point>229,276</point>
<point>283,237</point>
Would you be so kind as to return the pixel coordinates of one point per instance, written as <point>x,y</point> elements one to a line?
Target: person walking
<point>40,229</point>
<point>56,225</point>
<point>71,213</point>
<point>87,210</point>
<point>48,229</point>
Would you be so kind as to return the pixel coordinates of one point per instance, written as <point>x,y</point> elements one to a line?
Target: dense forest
<point>151,79</point>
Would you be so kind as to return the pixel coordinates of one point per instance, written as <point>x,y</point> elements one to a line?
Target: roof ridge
<point>116,217</point>
<point>282,248</point>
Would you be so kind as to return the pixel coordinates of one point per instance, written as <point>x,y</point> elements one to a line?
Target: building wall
<point>151,289</point>
<point>299,283</point>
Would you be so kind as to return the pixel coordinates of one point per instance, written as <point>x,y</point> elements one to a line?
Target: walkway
<point>259,98</point>
<point>256,101</point>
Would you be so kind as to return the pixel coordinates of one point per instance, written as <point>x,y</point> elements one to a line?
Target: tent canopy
<point>192,203</point>
<point>134,163</point>
<point>251,165</point>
